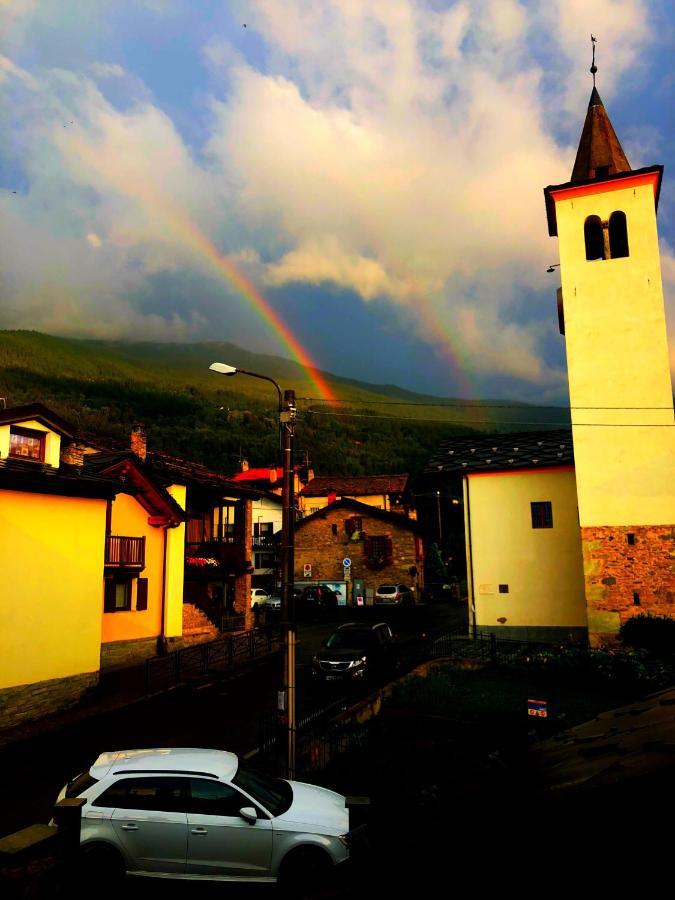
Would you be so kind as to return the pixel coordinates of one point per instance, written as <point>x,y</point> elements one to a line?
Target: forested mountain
<point>104,386</point>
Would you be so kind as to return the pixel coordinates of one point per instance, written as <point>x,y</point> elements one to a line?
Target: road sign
<point>537,708</point>
<point>307,570</point>
<point>347,573</point>
<point>346,562</point>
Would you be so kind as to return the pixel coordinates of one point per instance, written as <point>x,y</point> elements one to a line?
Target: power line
<point>461,404</point>
<point>469,422</point>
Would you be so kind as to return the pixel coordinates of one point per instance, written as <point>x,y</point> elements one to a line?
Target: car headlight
<point>344,839</point>
<point>353,663</point>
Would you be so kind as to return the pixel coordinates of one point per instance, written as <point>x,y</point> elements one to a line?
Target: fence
<point>201,660</point>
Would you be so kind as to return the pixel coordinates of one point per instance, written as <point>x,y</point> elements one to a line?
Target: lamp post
<point>286,698</point>
<point>438,513</point>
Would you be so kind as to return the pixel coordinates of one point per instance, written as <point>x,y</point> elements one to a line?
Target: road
<point>224,714</point>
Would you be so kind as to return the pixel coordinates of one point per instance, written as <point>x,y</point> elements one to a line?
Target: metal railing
<point>201,660</point>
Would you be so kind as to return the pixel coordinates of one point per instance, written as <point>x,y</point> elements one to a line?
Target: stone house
<point>383,547</point>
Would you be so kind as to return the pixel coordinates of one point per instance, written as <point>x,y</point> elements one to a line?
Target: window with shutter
<point>109,595</point>
<point>142,594</point>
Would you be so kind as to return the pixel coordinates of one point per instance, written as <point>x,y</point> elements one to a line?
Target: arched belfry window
<point>595,244</point>
<point>618,235</point>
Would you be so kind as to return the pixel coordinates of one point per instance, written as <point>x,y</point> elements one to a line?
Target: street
<point>223,714</point>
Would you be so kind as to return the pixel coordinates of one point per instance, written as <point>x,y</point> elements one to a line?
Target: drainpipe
<point>469,547</point>
<point>162,642</point>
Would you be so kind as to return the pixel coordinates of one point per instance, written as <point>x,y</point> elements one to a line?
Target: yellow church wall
<point>129,519</point>
<point>617,356</point>
<point>542,567</point>
<point>51,565</point>
<point>52,441</point>
<point>175,568</point>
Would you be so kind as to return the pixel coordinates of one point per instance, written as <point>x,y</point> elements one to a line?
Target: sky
<point>362,181</point>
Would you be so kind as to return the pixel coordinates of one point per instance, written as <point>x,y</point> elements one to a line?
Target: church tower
<point>612,314</point>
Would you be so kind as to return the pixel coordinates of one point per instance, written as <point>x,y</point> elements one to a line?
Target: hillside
<point>104,386</point>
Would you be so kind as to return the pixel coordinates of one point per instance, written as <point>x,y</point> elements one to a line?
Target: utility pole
<point>438,512</point>
<point>287,414</point>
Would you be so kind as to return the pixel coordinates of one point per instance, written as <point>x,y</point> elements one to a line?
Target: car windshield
<point>347,639</point>
<point>387,589</point>
<point>274,794</point>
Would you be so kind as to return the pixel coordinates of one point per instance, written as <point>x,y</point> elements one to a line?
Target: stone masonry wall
<point>31,701</point>
<point>127,653</point>
<point>316,544</point>
<point>242,583</point>
<point>624,579</point>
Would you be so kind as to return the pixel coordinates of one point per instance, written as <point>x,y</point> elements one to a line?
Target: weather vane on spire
<point>593,68</point>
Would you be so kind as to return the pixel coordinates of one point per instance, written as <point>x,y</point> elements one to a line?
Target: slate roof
<point>40,413</point>
<point>618,745</point>
<point>365,510</point>
<point>66,481</point>
<point>355,485</point>
<point>599,147</point>
<point>503,452</point>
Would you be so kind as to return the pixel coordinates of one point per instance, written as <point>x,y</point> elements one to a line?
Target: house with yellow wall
<point>52,553</point>
<point>386,492</point>
<point>525,575</point>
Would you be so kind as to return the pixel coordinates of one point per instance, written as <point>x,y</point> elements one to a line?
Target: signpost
<point>307,570</point>
<point>537,708</point>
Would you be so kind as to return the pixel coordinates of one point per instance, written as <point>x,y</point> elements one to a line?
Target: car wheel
<point>103,867</point>
<point>303,869</point>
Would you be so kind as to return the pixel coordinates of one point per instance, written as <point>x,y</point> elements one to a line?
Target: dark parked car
<point>357,651</point>
<point>317,597</point>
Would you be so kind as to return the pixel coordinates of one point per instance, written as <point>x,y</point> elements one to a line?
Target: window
<point>542,514</point>
<point>378,550</point>
<point>593,236</point>
<point>142,594</point>
<point>117,594</point>
<point>264,560</point>
<point>164,794</point>
<point>27,444</point>
<point>618,235</point>
<point>353,524</point>
<point>211,798</point>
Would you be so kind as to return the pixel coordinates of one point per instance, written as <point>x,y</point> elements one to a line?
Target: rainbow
<point>191,236</point>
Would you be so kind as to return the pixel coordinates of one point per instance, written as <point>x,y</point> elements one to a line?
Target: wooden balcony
<point>216,555</point>
<point>125,552</point>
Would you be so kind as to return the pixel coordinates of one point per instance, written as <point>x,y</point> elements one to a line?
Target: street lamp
<point>287,412</point>
<point>438,512</point>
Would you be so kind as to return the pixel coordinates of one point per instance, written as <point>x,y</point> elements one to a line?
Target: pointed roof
<point>600,152</point>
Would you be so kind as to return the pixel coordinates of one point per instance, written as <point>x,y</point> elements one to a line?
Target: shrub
<point>654,633</point>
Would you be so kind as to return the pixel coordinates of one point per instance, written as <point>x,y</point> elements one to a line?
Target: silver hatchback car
<point>202,814</point>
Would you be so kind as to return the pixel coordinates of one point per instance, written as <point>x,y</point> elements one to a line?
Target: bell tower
<point>619,376</point>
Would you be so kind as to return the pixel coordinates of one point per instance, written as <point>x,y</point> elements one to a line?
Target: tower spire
<point>600,153</point>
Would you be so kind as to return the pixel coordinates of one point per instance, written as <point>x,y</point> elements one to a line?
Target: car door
<point>149,822</point>
<point>220,842</point>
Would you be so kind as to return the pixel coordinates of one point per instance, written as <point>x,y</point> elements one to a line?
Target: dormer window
<point>24,443</point>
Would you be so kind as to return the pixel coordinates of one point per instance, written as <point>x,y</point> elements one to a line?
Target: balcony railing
<point>125,551</point>
<point>207,555</point>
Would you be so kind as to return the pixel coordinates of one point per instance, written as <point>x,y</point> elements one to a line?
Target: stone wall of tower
<point>628,570</point>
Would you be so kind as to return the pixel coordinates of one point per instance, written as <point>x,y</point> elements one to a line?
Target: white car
<point>203,814</point>
<point>273,602</point>
<point>259,597</point>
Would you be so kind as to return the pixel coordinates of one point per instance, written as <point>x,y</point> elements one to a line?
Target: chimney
<point>72,455</point>
<point>243,465</point>
<point>139,441</point>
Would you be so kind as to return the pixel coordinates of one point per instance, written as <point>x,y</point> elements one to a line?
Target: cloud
<point>394,150</point>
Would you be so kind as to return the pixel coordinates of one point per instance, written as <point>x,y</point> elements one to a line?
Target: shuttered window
<point>142,594</point>
<point>116,595</point>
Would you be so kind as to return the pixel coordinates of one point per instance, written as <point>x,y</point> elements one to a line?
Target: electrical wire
<point>469,404</point>
<point>469,422</point>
